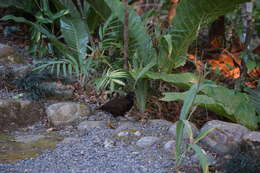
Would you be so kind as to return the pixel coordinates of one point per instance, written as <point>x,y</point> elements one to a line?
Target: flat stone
<point>147,141</point>
<point>28,138</point>
<point>88,125</point>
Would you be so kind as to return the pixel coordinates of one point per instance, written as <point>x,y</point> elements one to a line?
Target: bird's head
<point>130,95</point>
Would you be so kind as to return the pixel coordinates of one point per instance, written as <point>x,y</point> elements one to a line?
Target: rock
<point>211,159</point>
<point>159,122</point>
<point>65,113</point>
<point>137,133</point>
<point>126,125</point>
<point>147,141</point>
<point>70,140</point>
<point>169,147</point>
<point>20,70</point>
<point>88,125</point>
<point>28,138</point>
<point>123,133</point>
<point>57,90</point>
<point>5,73</point>
<point>251,141</point>
<point>245,158</point>
<point>9,56</point>
<point>108,143</point>
<point>13,67</point>
<point>19,113</point>
<point>252,136</point>
<point>10,74</point>
<point>226,136</point>
<point>172,130</point>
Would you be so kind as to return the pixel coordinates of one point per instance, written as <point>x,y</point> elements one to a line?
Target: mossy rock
<point>19,113</point>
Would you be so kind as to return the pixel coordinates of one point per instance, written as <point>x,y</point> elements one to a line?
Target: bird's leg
<point>144,118</point>
<point>110,124</point>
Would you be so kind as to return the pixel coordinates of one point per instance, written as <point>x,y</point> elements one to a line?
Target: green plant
<point>111,79</point>
<point>191,16</point>
<point>44,17</point>
<point>184,126</point>
<point>47,19</point>
<point>233,105</point>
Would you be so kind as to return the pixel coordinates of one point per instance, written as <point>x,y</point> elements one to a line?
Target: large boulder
<point>225,137</point>
<point>65,113</point>
<point>19,113</point>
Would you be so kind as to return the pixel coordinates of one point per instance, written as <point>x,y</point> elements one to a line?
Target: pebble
<point>124,133</point>
<point>147,141</point>
<point>108,143</point>
<point>169,146</point>
<point>137,133</point>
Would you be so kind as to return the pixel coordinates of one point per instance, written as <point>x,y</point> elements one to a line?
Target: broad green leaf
<point>191,15</point>
<point>76,34</point>
<point>225,102</point>
<point>234,103</point>
<point>69,5</point>
<point>98,13</point>
<point>182,79</point>
<point>101,8</point>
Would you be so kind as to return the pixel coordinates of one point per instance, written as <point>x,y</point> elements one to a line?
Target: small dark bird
<point>119,106</point>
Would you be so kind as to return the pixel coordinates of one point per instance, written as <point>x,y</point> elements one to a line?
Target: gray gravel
<point>88,155</point>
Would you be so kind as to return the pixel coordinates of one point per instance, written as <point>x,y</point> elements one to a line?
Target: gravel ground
<point>88,154</point>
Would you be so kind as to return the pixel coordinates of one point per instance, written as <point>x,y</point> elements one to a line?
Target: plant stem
<point>126,38</point>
